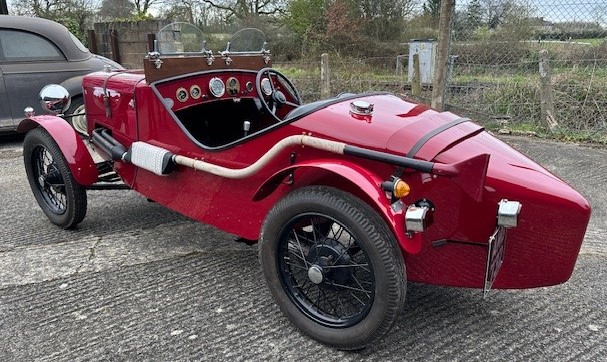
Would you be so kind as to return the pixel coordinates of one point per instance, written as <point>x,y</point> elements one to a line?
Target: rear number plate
<point>495,257</point>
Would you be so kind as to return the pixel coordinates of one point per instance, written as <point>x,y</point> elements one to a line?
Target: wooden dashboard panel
<point>174,66</point>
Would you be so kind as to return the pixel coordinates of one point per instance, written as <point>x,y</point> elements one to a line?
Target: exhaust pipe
<point>108,144</point>
<point>468,174</point>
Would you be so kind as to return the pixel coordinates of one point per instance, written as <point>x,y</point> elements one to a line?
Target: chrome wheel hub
<point>315,274</point>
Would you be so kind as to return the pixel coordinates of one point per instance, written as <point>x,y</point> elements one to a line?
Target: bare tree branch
<point>242,9</point>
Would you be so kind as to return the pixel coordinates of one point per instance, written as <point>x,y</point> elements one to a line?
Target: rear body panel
<point>540,251</point>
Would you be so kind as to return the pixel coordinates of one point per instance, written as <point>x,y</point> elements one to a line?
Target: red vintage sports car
<point>349,197</point>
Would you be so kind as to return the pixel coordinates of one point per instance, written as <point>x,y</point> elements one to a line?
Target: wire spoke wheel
<point>60,197</point>
<point>328,276</point>
<point>50,182</point>
<point>333,266</point>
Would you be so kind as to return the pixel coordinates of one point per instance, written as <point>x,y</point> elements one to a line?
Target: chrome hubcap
<point>315,274</point>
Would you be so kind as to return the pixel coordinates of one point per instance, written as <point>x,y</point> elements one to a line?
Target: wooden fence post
<point>416,81</point>
<point>92,39</point>
<point>546,99</point>
<point>400,65</point>
<point>3,7</point>
<point>439,85</point>
<point>151,39</point>
<point>114,45</point>
<point>325,77</point>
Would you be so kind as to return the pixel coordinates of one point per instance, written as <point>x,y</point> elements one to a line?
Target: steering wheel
<point>272,98</point>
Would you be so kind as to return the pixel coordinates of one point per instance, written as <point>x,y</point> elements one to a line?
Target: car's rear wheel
<point>345,287</point>
<point>61,198</point>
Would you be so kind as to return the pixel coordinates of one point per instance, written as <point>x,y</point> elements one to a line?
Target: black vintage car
<point>35,52</point>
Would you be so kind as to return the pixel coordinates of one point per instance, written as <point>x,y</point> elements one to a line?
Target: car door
<point>6,120</point>
<point>28,63</point>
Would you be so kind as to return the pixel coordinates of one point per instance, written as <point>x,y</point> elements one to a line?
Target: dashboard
<point>193,90</point>
<point>217,108</point>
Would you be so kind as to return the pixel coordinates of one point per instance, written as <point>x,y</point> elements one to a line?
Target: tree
<point>384,19</point>
<point>116,9</point>
<point>497,11</point>
<point>306,17</point>
<point>600,15</point>
<point>350,26</point>
<point>143,6</point>
<point>432,8</point>
<point>494,11</point>
<point>191,11</point>
<point>507,12</point>
<point>343,27</point>
<point>243,9</point>
<point>74,14</point>
<point>474,17</point>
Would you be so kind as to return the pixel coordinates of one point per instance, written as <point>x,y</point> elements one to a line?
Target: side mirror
<point>55,99</point>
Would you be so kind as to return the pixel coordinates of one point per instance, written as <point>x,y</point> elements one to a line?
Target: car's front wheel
<point>61,198</point>
<point>345,287</point>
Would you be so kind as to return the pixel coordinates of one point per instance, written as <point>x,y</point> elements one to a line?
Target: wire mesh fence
<point>494,67</point>
<point>496,55</point>
<point>346,76</point>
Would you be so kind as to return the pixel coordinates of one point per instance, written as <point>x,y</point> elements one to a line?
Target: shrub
<point>489,53</point>
<point>580,104</point>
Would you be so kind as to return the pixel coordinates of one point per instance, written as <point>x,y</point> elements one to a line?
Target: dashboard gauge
<point>181,94</point>
<point>216,87</point>
<point>266,87</point>
<point>249,86</point>
<point>233,86</point>
<point>195,92</point>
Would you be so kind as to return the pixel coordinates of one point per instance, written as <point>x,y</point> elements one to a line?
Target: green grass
<point>292,72</point>
<point>490,78</point>
<point>342,73</point>
<point>592,41</point>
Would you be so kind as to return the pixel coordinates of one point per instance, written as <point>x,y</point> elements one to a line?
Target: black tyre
<point>59,196</point>
<point>345,288</point>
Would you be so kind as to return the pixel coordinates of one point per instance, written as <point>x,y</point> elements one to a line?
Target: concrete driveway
<point>138,282</point>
